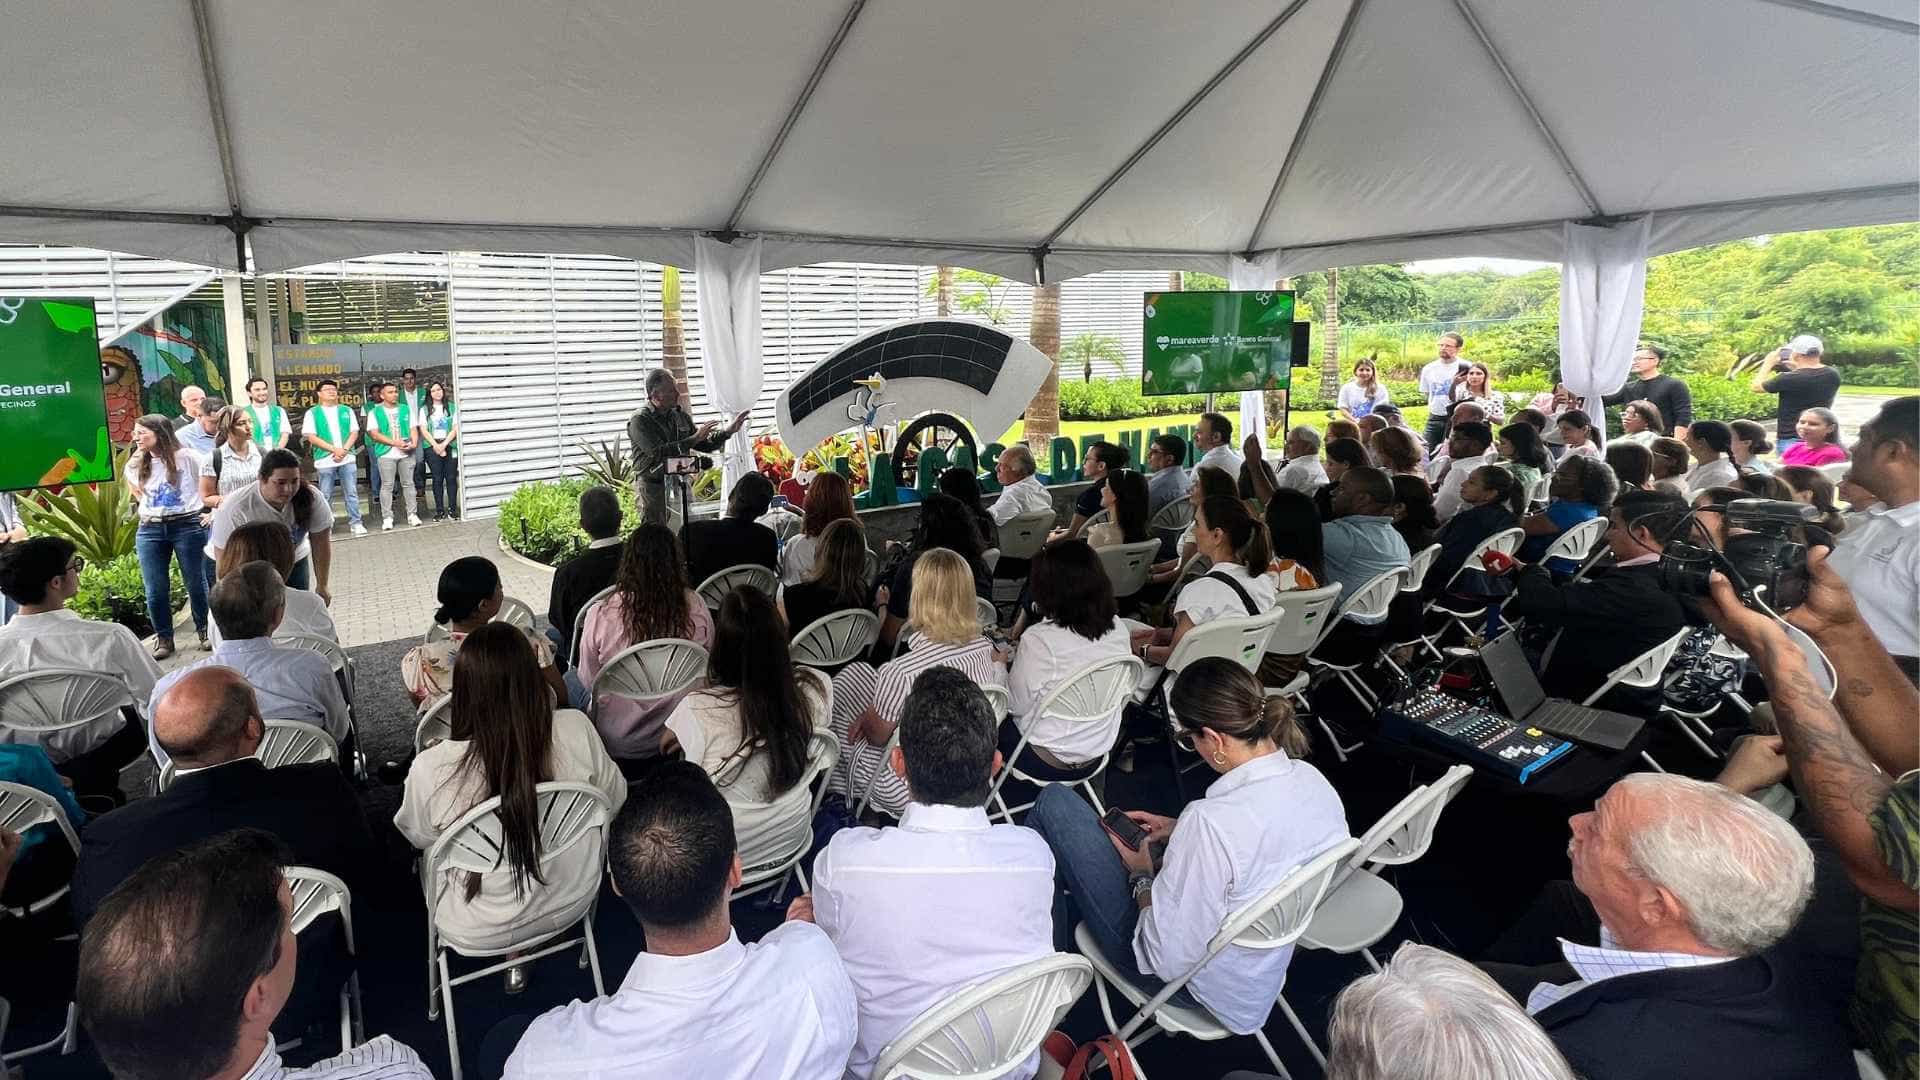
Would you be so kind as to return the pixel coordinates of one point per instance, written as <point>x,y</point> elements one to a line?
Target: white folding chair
<point>1128,566</point>
<point>580,623</point>
<point>49,707</point>
<point>987,1028</point>
<point>342,663</point>
<point>282,742</point>
<point>1577,543</point>
<point>1021,537</point>
<point>1361,907</point>
<point>1176,515</point>
<point>23,808</point>
<point>715,589</point>
<point>996,700</point>
<point>1835,471</point>
<point>569,814</point>
<point>1100,517</point>
<point>836,639</point>
<point>772,857</point>
<point>650,671</point>
<point>1303,623</point>
<point>436,724</point>
<point>1506,541</point>
<point>1417,568</point>
<point>989,615</point>
<point>1371,601</point>
<point>512,611</point>
<point>1644,672</point>
<point>315,893</point>
<point>1538,493</point>
<point>1240,638</point>
<point>1274,921</point>
<point>1094,695</point>
<point>873,566</point>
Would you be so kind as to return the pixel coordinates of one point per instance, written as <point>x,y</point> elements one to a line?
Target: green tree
<point>971,292</point>
<point>1460,295</point>
<point>1369,294</point>
<point>1834,297</point>
<point>1091,348</point>
<point>1531,293</point>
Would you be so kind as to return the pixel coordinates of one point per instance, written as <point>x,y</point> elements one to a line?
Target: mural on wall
<point>144,371</point>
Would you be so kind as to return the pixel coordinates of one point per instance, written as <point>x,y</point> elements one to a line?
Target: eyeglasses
<point>76,565</point>
<point>1186,737</point>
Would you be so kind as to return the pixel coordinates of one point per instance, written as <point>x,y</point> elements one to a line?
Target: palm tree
<point>1330,339</point>
<point>673,335</point>
<point>943,291</point>
<point>1043,413</point>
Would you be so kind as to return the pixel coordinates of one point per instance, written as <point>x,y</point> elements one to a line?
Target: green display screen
<point>1216,342</point>
<point>53,408</point>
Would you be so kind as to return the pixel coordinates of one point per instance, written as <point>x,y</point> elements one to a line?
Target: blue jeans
<point>158,543</point>
<point>373,477</point>
<point>349,470</point>
<point>1086,865</point>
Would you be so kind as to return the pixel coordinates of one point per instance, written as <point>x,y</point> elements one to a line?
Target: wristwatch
<point>1140,883</point>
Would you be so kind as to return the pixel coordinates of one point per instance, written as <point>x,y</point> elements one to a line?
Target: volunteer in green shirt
<point>438,423</point>
<point>270,427</point>
<point>414,397</point>
<point>395,446</point>
<point>333,432</point>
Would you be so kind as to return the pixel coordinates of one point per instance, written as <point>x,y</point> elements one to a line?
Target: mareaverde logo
<point>1163,341</point>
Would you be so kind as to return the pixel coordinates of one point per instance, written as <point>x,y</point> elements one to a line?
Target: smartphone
<point>1463,367</point>
<point>1124,828</point>
<point>1786,353</point>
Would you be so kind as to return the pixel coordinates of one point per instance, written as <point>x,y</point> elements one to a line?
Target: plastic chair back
<point>997,699</point>
<point>1242,639</point>
<point>1095,693</point>
<point>1176,515</point>
<point>1835,471</point>
<point>652,670</point>
<point>568,813</point>
<point>1576,543</point>
<point>987,1028</point>
<point>515,613</point>
<point>1418,567</point>
<point>282,742</point>
<point>715,589</point>
<point>580,623</point>
<point>1303,620</point>
<point>1506,541</point>
<point>1280,916</point>
<point>1373,599</point>
<point>1128,566</point>
<point>327,647</point>
<point>836,639</point>
<point>315,893</point>
<point>1643,671</point>
<point>989,615</point>
<point>54,699</point>
<point>1405,832</point>
<point>22,808</point>
<point>772,851</point>
<point>1024,535</point>
<point>436,724</point>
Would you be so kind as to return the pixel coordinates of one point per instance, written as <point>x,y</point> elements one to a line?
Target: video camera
<point>1764,553</point>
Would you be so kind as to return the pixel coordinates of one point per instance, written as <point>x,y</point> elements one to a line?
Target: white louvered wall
<point>127,290</point>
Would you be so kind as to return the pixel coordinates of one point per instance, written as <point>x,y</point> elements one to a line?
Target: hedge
<point>115,592</point>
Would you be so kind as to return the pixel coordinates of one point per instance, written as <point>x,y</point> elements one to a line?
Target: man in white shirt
<point>187,964</point>
<point>1437,380</point>
<point>1303,471</point>
<point>698,1002</point>
<point>1879,553</point>
<point>1443,458</point>
<point>333,431</point>
<point>292,684</point>
<point>270,428</point>
<point>395,446</point>
<point>1021,491</point>
<point>202,436</point>
<point>415,397</point>
<point>945,899</point>
<point>1469,446</point>
<point>41,574</point>
<point>1213,435</point>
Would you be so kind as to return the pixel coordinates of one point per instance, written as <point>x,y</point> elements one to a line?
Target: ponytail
<point>1717,436</point>
<point>1505,487</point>
<point>1221,696</point>
<point>1252,547</point>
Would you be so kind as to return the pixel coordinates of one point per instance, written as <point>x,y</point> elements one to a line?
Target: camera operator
<point>660,431</point>
<point>1855,762</point>
<point>1880,551</point>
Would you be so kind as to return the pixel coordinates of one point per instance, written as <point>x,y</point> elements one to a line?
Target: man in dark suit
<point>1610,618</point>
<point>210,725</point>
<point>738,539</point>
<point>1693,885</point>
<point>579,578</point>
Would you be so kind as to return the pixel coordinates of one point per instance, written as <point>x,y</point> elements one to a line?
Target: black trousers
<point>97,772</point>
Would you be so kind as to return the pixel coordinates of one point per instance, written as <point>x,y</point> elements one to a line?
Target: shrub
<point>1898,375</point>
<point>99,518</point>
<point>114,592</point>
<point>1716,398</point>
<point>1121,399</point>
<point>541,520</point>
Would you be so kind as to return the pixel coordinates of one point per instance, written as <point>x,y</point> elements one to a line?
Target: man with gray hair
<point>293,684</point>
<point>1692,884</point>
<point>660,431</point>
<point>1021,492</point>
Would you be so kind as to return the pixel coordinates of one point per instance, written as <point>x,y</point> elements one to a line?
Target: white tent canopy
<point>1023,138</point>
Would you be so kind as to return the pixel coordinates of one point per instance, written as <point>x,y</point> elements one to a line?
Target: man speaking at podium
<point>662,430</point>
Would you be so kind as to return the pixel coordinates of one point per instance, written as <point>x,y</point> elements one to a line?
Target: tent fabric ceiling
<point>1100,134</point>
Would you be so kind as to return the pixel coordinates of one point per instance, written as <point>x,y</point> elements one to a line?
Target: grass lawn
<point>1074,429</point>
<point>1877,391</point>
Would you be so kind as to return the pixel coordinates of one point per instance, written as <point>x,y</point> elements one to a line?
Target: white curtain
<point>727,278</point>
<point>1243,275</point>
<point>1603,283</point>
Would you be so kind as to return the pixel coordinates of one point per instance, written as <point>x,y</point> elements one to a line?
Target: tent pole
<point>217,109</point>
<point>1306,122</point>
<point>1520,94</point>
<point>1835,11</point>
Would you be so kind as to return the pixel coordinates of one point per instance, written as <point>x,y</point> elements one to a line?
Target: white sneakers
<point>414,520</point>
<point>386,526</point>
<point>359,529</point>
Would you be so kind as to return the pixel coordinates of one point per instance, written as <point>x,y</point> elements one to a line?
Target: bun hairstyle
<point>1505,487</point>
<point>1248,534</point>
<point>1579,421</point>
<point>1754,435</point>
<point>464,585</point>
<point>1221,696</point>
<point>1819,491</point>
<point>1714,435</point>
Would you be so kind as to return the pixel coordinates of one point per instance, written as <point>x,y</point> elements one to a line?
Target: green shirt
<point>1886,988</point>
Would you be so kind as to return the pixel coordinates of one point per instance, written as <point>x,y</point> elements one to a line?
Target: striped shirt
<point>857,685</point>
<point>377,1059</point>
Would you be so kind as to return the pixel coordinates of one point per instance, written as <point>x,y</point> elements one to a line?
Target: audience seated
<point>867,703</point>
<point>1208,483</point>
<point>1523,454</point>
<point>1077,626</point>
<point>1155,911</point>
<point>1123,496</point>
<point>697,1002</point>
<point>42,861</point>
<point>41,574</point>
<point>470,596</point>
<point>507,738</point>
<point>1751,443</point>
<point>1302,471</point>
<point>1295,533</point>
<point>1632,464</point>
<point>944,525</point>
<point>962,484</point>
<point>1710,444</point>
<point>1240,582</point>
<point>1413,516</point>
<point>292,684</point>
<point>1640,422</point>
<point>1021,492</point>
<point>651,600</point>
<point>1468,448</point>
<point>1759,485</point>
<point>1580,490</point>
<point>577,580</point>
<point>187,965</point>
<point>837,582</point>
<point>736,538</point>
<point>1168,480</point>
<point>1102,460</point>
<point>829,499</point>
<point>1213,437</point>
<point>1691,883</point>
<point>1492,502</point>
<point>266,541</point>
<point>1360,542</point>
<point>1879,554</point>
<point>1671,460</point>
<point>1430,1015</point>
<point>1343,456</point>
<point>1614,615</point>
<point>1465,412</point>
<point>750,727</point>
<point>945,899</point>
<point>1395,451</point>
<point>1577,436</point>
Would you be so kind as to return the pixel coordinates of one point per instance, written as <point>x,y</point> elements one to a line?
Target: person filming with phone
<point>1802,379</point>
<point>662,431</point>
<point>1154,890</point>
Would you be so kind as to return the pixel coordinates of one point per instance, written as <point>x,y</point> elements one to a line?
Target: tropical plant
<point>114,591</point>
<point>1043,412</point>
<point>98,518</point>
<point>541,520</point>
<point>608,463</point>
<point>1090,348</point>
<point>970,292</point>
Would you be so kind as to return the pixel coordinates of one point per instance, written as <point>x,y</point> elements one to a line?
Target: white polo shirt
<point>781,1006</point>
<point>1879,556</point>
<point>1023,496</point>
<point>1221,457</point>
<point>62,639</point>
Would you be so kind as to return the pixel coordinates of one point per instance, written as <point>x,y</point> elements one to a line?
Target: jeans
<point>395,470</point>
<point>159,542</point>
<point>1086,865</point>
<point>326,478</point>
<point>653,501</point>
<point>446,481</point>
<point>1436,433</point>
<point>373,476</point>
<point>420,454</point>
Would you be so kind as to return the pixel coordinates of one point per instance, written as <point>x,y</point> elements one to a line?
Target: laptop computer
<point>1529,704</point>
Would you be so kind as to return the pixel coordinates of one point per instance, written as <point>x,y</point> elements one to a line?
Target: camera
<point>1764,554</point>
<point>688,466</point>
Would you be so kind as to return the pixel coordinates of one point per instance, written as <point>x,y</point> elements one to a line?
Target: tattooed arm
<point>1882,708</point>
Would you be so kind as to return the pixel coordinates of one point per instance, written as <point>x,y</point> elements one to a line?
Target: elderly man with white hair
<point>1021,491</point>
<point>1692,883</point>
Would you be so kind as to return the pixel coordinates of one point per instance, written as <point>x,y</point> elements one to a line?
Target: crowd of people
<point>1697,935</point>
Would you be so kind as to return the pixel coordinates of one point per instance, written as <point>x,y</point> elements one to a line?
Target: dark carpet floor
<point>1493,850</point>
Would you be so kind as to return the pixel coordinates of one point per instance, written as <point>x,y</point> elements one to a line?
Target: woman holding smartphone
<point>1164,900</point>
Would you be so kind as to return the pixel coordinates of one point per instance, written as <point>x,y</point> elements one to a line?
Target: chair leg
<point>1278,1066</point>
<point>433,976</point>
<point>1367,955</point>
<point>359,1010</point>
<point>1173,758</point>
<point>593,954</point>
<point>1092,795</point>
<point>1648,758</point>
<point>1332,739</point>
<point>1694,738</point>
<point>453,1033</point>
<point>1300,1029</point>
<point>1005,814</point>
<point>346,1016</point>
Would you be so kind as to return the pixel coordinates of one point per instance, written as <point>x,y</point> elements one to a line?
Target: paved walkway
<point>383,583</point>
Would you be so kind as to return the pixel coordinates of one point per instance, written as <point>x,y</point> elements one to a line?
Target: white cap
<point>1805,345</point>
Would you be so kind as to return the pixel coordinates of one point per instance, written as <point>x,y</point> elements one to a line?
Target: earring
<point>1219,758</point>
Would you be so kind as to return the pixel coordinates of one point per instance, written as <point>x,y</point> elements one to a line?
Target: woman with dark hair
<point>1397,453</point>
<point>1341,455</point>
<point>280,496</point>
<point>163,478</point>
<point>1811,486</point>
<point>439,426</point>
<point>1819,432</point>
<point>1632,464</point>
<point>1240,582</point>
<point>1269,812</point>
<point>235,461</point>
<point>829,499</point>
<point>750,727</point>
<point>1076,624</point>
<point>839,580</point>
<point>651,600</point>
<point>1765,486</point>
<point>1671,459</point>
<point>1523,454</point>
<point>1125,499</point>
<point>1710,444</point>
<point>1476,385</point>
<point>1493,501</point>
<point>962,484</point>
<point>1750,442</point>
<point>266,541</point>
<point>944,523</point>
<point>1293,530</point>
<point>1576,435</point>
<point>1581,489</point>
<point>1209,482</point>
<point>1641,422</point>
<point>1413,515</point>
<point>470,596</point>
<point>507,738</point>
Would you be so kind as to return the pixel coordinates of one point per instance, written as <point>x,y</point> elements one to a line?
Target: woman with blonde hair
<point>943,630</point>
<point>269,542</point>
